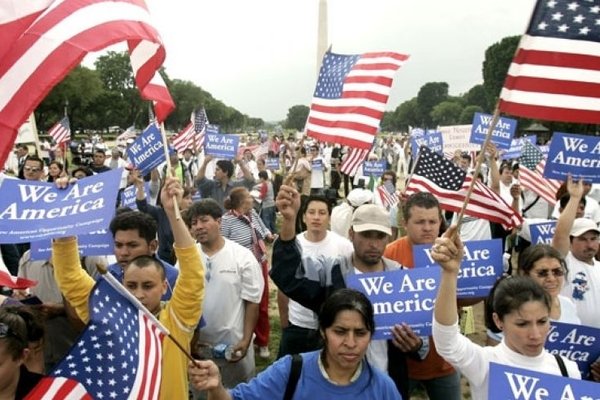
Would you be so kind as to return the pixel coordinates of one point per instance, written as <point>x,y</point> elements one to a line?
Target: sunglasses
<point>544,273</point>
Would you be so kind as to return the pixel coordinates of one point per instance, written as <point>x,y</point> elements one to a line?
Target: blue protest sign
<point>480,268</point>
<point>507,382</point>
<point>128,196</point>
<point>501,135</point>
<point>374,168</point>
<point>147,151</point>
<point>435,142</point>
<point>417,139</point>
<point>542,232</point>
<point>86,206</point>
<point>272,163</point>
<point>575,155</point>
<point>578,343</point>
<point>399,296</point>
<point>213,129</point>
<point>221,146</point>
<point>544,149</point>
<point>95,244</point>
<point>516,145</point>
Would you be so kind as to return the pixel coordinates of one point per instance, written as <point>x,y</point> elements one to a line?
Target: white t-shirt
<point>333,245</point>
<point>232,275</point>
<point>583,287</point>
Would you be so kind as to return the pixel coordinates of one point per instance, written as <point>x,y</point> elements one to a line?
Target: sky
<point>260,56</point>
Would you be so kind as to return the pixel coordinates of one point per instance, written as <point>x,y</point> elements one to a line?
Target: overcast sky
<point>259,56</point>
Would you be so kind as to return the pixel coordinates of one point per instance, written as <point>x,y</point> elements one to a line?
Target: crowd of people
<point>308,226</point>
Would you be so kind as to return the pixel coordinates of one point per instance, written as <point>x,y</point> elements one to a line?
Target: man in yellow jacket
<point>147,283</point>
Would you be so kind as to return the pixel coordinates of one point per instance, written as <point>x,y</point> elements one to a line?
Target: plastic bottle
<point>219,351</point>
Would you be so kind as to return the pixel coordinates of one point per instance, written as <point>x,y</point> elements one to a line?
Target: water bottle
<point>219,351</point>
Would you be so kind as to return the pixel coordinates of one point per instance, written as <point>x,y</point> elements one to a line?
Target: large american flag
<point>531,170</point>
<point>449,184</point>
<point>43,40</point>
<point>350,97</point>
<point>554,74</point>
<point>118,356</point>
<point>61,131</point>
<point>354,159</point>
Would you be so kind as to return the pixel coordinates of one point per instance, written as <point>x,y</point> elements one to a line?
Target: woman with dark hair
<point>338,371</point>
<point>15,379</point>
<point>55,170</point>
<point>242,225</point>
<point>543,264</point>
<point>521,309</point>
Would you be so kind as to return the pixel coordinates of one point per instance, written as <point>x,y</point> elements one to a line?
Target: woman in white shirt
<point>521,310</point>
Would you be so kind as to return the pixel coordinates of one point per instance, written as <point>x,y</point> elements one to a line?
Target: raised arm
<point>448,252</point>
<point>202,170</point>
<point>288,204</point>
<point>560,241</point>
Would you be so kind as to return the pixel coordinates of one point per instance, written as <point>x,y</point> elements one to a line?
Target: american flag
<point>200,120</point>
<point>531,169</point>
<point>449,184</point>
<point>43,40</point>
<point>354,158</point>
<point>185,139</point>
<point>554,74</point>
<point>388,198</point>
<point>61,131</point>
<point>350,97</point>
<point>118,356</point>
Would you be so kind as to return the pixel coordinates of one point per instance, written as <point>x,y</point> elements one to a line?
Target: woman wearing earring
<point>338,371</point>
<point>521,309</point>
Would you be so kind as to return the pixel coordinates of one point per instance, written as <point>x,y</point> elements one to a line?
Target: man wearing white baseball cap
<point>577,239</point>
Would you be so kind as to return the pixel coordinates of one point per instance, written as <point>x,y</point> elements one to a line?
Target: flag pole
<point>169,171</point>
<point>112,281</point>
<point>480,159</point>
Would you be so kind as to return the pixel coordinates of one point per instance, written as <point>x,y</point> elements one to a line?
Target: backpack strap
<point>561,365</point>
<point>295,371</point>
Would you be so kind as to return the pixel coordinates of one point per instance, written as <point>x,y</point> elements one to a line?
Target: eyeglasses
<point>544,273</point>
<point>31,169</point>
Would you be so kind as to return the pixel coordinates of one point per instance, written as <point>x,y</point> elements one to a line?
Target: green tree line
<point>106,95</point>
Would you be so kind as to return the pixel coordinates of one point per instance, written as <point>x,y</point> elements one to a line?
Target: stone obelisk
<point>322,39</point>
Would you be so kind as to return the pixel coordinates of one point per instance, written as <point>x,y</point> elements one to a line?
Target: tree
<point>430,95</point>
<point>82,89</point>
<point>406,114</point>
<point>446,113</point>
<point>296,117</point>
<point>495,66</point>
<point>466,116</point>
<point>476,96</point>
<point>115,72</point>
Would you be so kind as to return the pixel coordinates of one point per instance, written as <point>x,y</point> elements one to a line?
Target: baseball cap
<point>583,225</point>
<point>371,217</point>
<point>358,197</point>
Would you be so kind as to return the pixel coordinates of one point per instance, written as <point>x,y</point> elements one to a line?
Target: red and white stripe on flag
<point>48,38</point>
<point>350,97</point>
<point>388,200</point>
<point>61,131</point>
<point>146,58</point>
<point>353,160</point>
<point>535,181</point>
<point>185,139</point>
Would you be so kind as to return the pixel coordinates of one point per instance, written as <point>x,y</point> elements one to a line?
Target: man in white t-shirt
<point>300,326</point>
<point>577,239</point>
<point>232,292</point>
